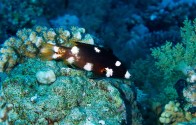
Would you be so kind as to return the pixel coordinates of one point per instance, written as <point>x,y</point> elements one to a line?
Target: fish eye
<point>103,70</point>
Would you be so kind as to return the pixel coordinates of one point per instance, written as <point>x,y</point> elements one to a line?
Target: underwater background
<point>154,39</point>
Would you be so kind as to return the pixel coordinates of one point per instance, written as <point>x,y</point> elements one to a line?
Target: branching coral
<point>180,57</point>
<point>178,61</point>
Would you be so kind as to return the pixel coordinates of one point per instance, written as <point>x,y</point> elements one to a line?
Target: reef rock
<point>45,77</point>
<point>72,98</point>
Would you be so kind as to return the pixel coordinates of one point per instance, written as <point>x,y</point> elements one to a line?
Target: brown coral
<point>27,43</point>
<point>173,114</point>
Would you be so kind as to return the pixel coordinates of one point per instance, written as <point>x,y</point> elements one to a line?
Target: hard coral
<point>189,94</point>
<point>45,76</point>
<point>14,17</point>
<point>4,110</point>
<point>28,42</point>
<point>72,98</point>
<point>174,114</point>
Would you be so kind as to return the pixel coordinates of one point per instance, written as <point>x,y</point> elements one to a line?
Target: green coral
<point>174,58</point>
<point>167,65</point>
<point>178,61</point>
<point>168,57</point>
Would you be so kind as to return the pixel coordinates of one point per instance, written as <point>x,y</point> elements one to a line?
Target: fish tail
<point>50,52</point>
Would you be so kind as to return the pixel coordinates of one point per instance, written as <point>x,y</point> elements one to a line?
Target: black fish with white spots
<point>88,57</point>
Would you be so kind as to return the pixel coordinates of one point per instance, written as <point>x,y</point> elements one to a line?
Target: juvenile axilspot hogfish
<point>88,57</point>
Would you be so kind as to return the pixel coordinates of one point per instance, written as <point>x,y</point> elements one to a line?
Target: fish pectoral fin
<point>71,66</point>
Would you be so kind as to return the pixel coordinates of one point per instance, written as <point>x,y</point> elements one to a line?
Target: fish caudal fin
<point>49,52</point>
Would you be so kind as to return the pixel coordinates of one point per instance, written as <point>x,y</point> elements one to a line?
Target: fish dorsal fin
<point>86,45</point>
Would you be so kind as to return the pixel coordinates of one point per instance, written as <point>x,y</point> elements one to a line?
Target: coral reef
<point>72,99</point>
<point>192,122</point>
<point>180,57</point>
<point>177,61</point>
<point>174,61</point>
<point>20,14</point>
<point>4,109</point>
<point>141,26</point>
<point>101,18</point>
<point>45,76</point>
<point>28,42</point>
<point>173,114</point>
<point>189,94</point>
<point>15,17</point>
<point>135,20</point>
<point>48,92</point>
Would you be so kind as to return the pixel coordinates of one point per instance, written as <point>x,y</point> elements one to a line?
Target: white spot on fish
<point>88,66</point>
<point>70,60</point>
<point>118,63</point>
<point>56,48</point>
<point>75,50</point>
<point>127,75</point>
<point>55,56</point>
<point>109,72</point>
<point>97,50</point>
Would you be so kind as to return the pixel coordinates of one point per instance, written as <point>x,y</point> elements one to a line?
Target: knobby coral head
<point>73,46</point>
